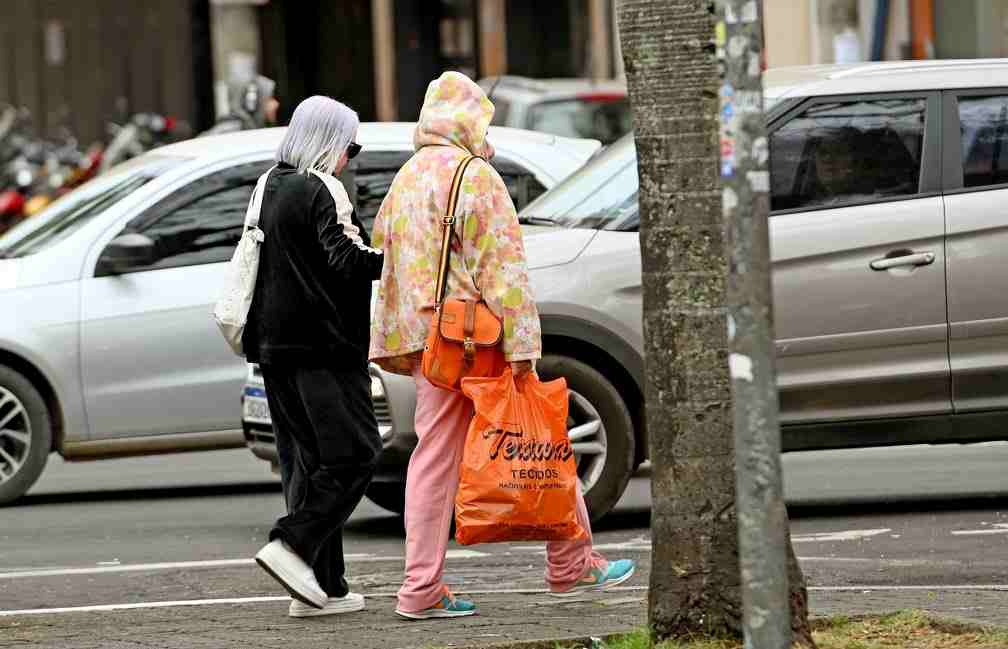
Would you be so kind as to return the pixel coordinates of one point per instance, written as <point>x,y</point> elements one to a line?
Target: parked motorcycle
<point>35,171</point>
<point>143,132</point>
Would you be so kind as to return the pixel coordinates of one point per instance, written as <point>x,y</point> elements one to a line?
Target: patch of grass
<point>902,630</point>
<point>906,629</point>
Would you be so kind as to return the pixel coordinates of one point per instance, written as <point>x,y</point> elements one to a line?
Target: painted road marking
<point>135,567</point>
<point>643,543</point>
<point>516,591</point>
<point>107,567</point>
<point>462,554</point>
<point>997,528</point>
<point>847,535</point>
<point>936,588</point>
<point>130,607</point>
<point>638,543</point>
<point>174,565</point>
<point>100,608</point>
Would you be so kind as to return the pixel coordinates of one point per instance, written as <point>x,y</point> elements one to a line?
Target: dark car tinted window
<point>521,184</point>
<point>373,177</point>
<point>840,153</point>
<point>202,223</point>
<point>377,169</point>
<point>502,111</point>
<point>984,127</point>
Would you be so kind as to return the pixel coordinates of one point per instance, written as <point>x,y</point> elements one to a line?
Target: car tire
<point>588,384</point>
<point>29,420</point>
<point>388,495</point>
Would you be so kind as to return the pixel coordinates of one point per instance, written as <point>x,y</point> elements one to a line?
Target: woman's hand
<point>522,368</point>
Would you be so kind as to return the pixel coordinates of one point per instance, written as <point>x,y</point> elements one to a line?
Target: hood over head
<point>455,112</point>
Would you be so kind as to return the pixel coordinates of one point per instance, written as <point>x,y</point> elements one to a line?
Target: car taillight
<point>94,157</point>
<point>602,97</point>
<point>11,202</point>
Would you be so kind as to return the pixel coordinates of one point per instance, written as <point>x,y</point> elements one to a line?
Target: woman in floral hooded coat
<point>491,255</point>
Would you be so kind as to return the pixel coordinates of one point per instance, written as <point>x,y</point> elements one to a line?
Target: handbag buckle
<point>448,220</point>
<point>469,350</point>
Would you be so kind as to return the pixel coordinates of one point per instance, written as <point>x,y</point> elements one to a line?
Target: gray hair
<point>320,131</point>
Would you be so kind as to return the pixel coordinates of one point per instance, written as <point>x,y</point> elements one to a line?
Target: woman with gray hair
<point>308,328</point>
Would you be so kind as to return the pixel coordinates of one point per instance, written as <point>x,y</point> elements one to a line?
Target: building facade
<point>803,32</point>
<point>79,64</point>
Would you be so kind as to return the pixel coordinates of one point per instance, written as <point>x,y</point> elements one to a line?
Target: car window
<point>522,185</point>
<point>984,127</point>
<point>502,111</point>
<point>377,169</point>
<point>602,195</point>
<point>604,120</point>
<point>613,206</point>
<point>837,153</point>
<point>74,210</point>
<point>373,176</point>
<point>201,223</point>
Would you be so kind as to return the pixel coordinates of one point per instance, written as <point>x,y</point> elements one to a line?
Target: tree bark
<point>801,631</point>
<point>673,78</point>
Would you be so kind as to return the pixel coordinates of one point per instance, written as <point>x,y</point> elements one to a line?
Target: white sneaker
<point>336,605</point>
<point>296,576</point>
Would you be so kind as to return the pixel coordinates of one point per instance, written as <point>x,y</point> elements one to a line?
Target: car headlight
<point>254,374</point>
<point>377,388</point>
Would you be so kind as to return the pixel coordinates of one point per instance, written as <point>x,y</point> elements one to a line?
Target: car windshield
<point>605,119</point>
<point>72,211</point>
<point>602,195</point>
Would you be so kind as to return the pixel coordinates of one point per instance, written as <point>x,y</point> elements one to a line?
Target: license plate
<point>256,410</point>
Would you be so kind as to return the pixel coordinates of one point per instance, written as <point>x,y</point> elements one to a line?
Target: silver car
<point>568,107</point>
<point>888,250</point>
<point>107,347</point>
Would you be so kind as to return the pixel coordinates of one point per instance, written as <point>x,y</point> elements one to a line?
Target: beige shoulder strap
<point>447,223</point>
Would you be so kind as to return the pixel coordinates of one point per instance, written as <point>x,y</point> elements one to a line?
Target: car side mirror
<point>125,253</point>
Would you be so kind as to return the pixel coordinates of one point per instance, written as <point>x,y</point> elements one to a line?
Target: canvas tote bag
<point>231,311</point>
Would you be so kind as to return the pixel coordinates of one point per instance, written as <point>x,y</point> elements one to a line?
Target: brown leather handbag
<point>465,335</point>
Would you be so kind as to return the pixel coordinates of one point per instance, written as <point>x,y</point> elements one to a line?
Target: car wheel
<point>388,495</point>
<point>600,428</point>
<point>25,435</point>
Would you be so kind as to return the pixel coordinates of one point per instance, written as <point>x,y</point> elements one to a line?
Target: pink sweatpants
<point>442,419</point>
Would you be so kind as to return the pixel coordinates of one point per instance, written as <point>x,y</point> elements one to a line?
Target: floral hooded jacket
<point>488,253</point>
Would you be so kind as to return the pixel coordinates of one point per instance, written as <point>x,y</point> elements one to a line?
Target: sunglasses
<point>353,150</point>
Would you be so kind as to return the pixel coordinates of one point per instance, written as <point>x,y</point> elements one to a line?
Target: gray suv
<point>889,257</point>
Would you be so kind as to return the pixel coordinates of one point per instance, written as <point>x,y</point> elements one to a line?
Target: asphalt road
<point>182,527</point>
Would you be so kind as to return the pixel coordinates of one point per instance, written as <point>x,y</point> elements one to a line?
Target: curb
<point>585,642</point>
<point>941,620</point>
<point>949,622</point>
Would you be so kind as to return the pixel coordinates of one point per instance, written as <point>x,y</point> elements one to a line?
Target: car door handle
<point>916,259</point>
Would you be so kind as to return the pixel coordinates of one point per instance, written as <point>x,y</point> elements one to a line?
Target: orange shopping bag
<point>519,479</point>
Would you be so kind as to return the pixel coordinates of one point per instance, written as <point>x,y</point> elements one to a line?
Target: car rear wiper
<point>537,220</point>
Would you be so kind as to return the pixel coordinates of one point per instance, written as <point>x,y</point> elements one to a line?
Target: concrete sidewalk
<point>503,619</point>
<point>511,610</point>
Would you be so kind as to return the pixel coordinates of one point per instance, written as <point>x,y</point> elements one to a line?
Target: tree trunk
<point>801,632</point>
<point>673,80</point>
